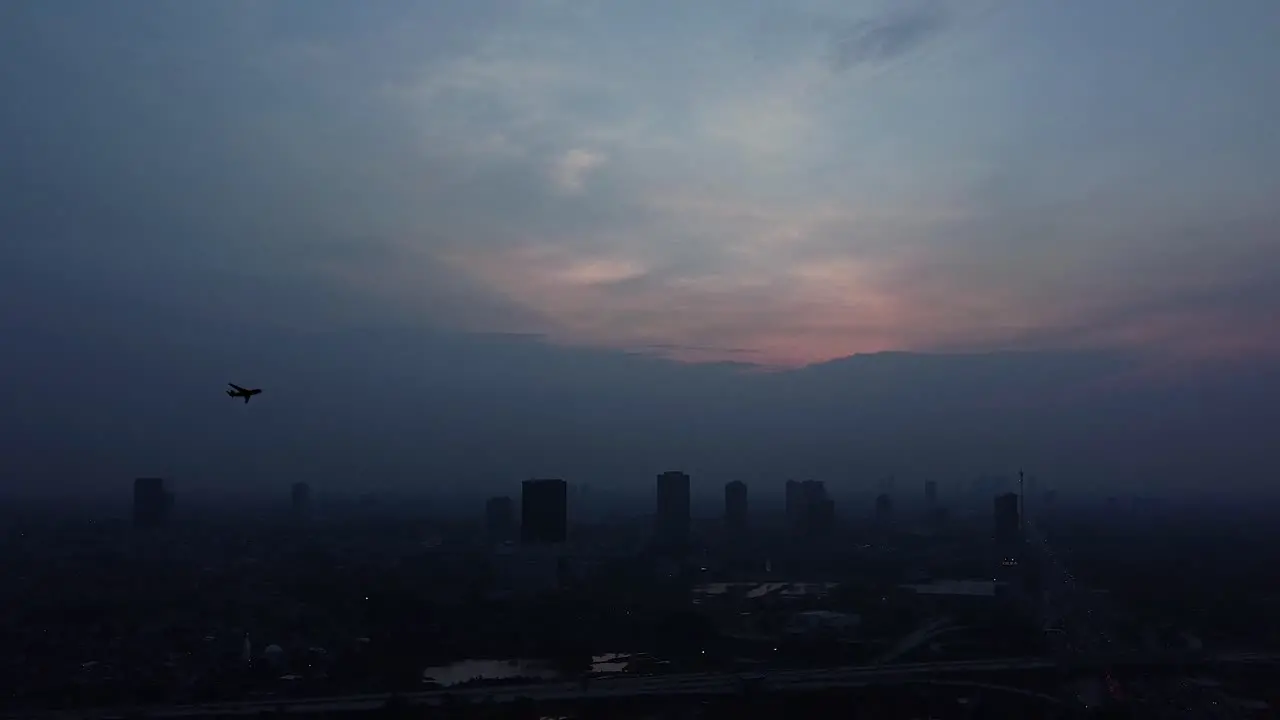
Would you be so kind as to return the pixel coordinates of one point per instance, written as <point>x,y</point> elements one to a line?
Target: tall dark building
<point>934,514</point>
<point>300,498</point>
<point>819,508</point>
<point>810,511</point>
<point>544,512</point>
<point>823,514</point>
<point>1008,529</point>
<point>884,509</point>
<point>500,519</point>
<point>151,502</point>
<point>672,516</point>
<point>1006,518</point>
<point>735,508</point>
<point>795,505</point>
<point>886,485</point>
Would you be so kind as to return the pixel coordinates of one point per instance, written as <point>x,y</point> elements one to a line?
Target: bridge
<point>964,673</point>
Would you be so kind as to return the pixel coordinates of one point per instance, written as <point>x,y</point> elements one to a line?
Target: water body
<point>757,590</point>
<point>464,670</point>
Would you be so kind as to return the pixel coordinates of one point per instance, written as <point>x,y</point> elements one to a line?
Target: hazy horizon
<point>464,243</point>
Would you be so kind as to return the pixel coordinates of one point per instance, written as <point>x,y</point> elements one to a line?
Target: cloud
<point>884,38</point>
<point>673,178</point>
<point>569,172</point>
<point>439,228</point>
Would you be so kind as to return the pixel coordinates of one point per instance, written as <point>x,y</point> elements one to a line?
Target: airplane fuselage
<point>246,393</point>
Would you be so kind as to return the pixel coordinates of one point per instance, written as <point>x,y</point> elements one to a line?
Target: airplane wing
<point>237,387</point>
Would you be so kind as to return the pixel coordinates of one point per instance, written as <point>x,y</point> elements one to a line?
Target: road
<point>1075,608</point>
<point>702,684</point>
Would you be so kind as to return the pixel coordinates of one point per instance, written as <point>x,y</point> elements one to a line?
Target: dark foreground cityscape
<point>995,598</point>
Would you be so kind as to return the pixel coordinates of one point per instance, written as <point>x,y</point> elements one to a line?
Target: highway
<point>701,684</point>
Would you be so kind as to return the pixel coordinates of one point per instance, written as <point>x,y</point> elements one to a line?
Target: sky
<point>601,188</point>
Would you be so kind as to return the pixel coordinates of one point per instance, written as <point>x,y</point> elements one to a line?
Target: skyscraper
<point>795,505</point>
<point>1006,518</point>
<point>886,485</point>
<point>300,498</point>
<point>1008,530</point>
<point>810,511</point>
<point>884,510</point>
<point>151,502</point>
<point>499,519</point>
<point>672,516</point>
<point>823,513</point>
<point>544,512</point>
<point>735,508</point>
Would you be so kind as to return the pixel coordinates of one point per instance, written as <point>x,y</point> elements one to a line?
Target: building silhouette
<point>735,508</point>
<point>499,519</point>
<point>672,514</point>
<point>1008,529</point>
<point>810,511</point>
<point>886,484</point>
<point>795,505</point>
<point>152,502</point>
<point>821,509</point>
<point>884,509</point>
<point>300,499</point>
<point>544,512</point>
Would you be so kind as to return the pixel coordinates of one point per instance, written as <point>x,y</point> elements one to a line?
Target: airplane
<point>242,392</point>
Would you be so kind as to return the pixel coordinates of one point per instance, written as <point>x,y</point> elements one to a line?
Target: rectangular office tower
<point>810,511</point>
<point>151,502</point>
<point>820,510</point>
<point>1008,529</point>
<point>544,512</point>
<point>735,508</point>
<point>672,515</point>
<point>795,505</point>
<point>884,510</point>
<point>499,519</point>
<point>300,499</point>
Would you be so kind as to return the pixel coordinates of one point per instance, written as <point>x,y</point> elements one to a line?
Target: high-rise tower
<point>735,508</point>
<point>544,513</point>
<point>499,519</point>
<point>672,515</point>
<point>1008,530</point>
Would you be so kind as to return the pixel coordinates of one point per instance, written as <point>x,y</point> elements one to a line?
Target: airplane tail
<point>231,393</point>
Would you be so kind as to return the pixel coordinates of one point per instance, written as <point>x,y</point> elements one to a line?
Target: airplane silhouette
<point>242,392</point>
